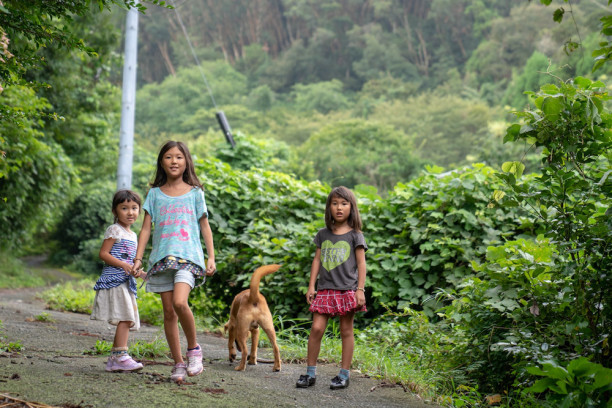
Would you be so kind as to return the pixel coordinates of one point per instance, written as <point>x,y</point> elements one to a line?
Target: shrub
<point>86,218</point>
<point>427,233</point>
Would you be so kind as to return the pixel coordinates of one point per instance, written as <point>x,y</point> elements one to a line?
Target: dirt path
<point>53,369</point>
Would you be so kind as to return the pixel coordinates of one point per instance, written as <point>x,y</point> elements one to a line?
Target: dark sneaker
<point>338,383</point>
<point>305,381</point>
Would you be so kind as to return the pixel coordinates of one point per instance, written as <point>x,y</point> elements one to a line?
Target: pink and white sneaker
<point>179,372</point>
<point>124,363</point>
<point>194,358</point>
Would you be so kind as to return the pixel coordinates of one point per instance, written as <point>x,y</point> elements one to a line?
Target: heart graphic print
<point>333,255</point>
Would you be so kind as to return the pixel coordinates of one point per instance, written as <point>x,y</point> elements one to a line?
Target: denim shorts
<point>164,281</point>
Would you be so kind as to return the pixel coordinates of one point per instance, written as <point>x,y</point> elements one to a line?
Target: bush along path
<point>47,357</point>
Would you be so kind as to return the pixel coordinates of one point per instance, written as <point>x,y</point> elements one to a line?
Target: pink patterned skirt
<point>335,302</point>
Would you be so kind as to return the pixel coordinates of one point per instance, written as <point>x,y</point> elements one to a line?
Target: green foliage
<point>526,25</point>
<point>428,232</point>
<point>8,347</point>
<point>604,54</point>
<point>36,176</point>
<point>580,384</point>
<point>404,341</point>
<point>83,224</point>
<point>150,308</point>
<point>169,106</point>
<point>101,347</point>
<point>381,54</point>
<point>40,25</point>
<point>138,349</point>
<point>77,297</point>
<point>155,349</point>
<point>573,196</point>
<point>11,347</point>
<point>261,98</point>
<point>323,97</point>
<point>44,317</point>
<point>361,152</point>
<point>532,77</point>
<point>388,88</point>
<point>601,55</point>
<point>445,130</point>
<point>209,311</point>
<point>13,273</point>
<point>507,313</point>
<point>510,313</point>
<point>253,153</point>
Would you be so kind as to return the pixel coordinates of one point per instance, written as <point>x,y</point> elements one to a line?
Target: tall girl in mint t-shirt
<point>176,207</point>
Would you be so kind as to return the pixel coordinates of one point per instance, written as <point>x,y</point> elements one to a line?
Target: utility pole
<point>128,101</point>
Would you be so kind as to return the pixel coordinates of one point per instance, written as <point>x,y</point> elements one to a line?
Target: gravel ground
<point>54,370</point>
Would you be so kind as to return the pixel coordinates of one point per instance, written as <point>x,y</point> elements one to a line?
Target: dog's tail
<point>256,278</point>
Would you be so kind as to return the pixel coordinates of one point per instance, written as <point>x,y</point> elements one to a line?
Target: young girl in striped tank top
<point>115,300</point>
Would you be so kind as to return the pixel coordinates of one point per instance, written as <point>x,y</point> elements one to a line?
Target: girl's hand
<point>139,273</point>
<point>137,266</point>
<point>211,267</point>
<point>310,295</point>
<point>127,268</point>
<point>360,298</point>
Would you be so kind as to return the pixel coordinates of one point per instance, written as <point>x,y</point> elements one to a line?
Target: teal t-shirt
<point>176,225</point>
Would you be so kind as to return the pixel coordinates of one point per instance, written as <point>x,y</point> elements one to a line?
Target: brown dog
<point>249,311</point>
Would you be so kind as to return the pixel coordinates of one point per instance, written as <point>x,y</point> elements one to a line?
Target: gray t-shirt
<point>338,263</point>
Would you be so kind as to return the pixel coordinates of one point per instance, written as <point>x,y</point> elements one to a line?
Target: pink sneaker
<point>194,358</point>
<point>179,372</point>
<point>124,363</point>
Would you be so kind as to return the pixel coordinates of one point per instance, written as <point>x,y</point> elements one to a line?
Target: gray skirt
<point>116,305</point>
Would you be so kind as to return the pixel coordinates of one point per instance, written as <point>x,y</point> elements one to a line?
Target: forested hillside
<point>438,78</point>
<point>475,133</point>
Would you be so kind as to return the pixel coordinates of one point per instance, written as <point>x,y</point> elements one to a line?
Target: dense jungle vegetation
<point>476,134</point>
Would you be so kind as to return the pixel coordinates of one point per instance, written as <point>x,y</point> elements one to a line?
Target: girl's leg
<point>319,323</point>
<point>185,316</point>
<point>183,311</point>
<point>348,339</point>
<point>119,359</point>
<point>121,334</point>
<point>171,326</point>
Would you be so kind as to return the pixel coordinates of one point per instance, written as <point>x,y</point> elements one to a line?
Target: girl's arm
<point>314,273</point>
<point>211,267</point>
<point>108,259</point>
<point>143,239</point>
<point>361,276</point>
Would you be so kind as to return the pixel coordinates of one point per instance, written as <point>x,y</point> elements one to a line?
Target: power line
<point>195,57</point>
<point>221,119</point>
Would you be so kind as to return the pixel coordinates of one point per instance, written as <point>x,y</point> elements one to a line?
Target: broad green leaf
<point>541,385</point>
<point>498,195</point>
<point>512,132</point>
<point>558,15</point>
<point>552,107</point>
<point>550,89</point>
<point>515,168</point>
<point>583,82</point>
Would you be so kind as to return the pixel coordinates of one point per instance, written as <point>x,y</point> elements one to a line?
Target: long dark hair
<point>122,196</point>
<point>354,219</point>
<point>189,175</point>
